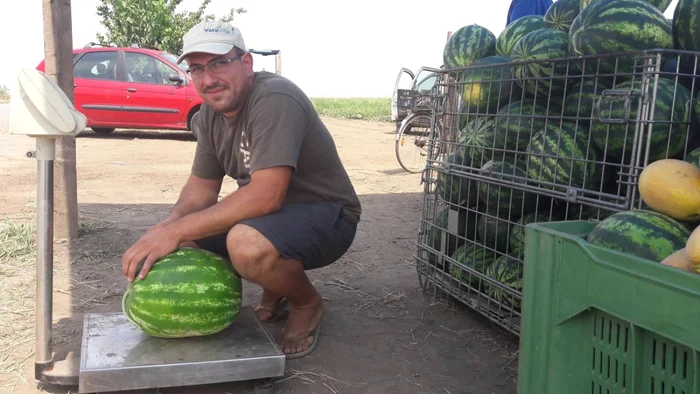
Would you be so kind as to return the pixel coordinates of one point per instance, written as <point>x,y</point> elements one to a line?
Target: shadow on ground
<point>123,134</point>
<point>380,334</point>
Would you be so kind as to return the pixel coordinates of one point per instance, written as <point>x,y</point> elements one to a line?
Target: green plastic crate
<point>597,321</point>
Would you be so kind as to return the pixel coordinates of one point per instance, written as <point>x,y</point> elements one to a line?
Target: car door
<point>151,98</point>
<point>399,107</point>
<point>97,87</point>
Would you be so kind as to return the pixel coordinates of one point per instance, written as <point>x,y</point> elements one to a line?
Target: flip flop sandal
<point>278,313</point>
<point>316,333</point>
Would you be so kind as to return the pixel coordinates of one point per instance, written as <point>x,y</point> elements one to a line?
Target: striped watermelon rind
<point>474,257</point>
<point>494,232</point>
<point>643,233</point>
<point>504,200</point>
<point>456,189</point>
<point>561,15</point>
<point>509,272</point>
<point>693,157</point>
<point>563,155</point>
<point>518,121</point>
<point>515,31</point>
<point>467,45</point>
<point>533,73</point>
<point>476,141</point>
<point>486,89</point>
<point>517,230</point>
<point>686,25</point>
<point>188,293</point>
<point>672,104</point>
<point>439,229</point>
<point>581,100</point>
<point>608,27</point>
<point>662,5</point>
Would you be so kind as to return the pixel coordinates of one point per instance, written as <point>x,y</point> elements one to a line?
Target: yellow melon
<point>672,187</point>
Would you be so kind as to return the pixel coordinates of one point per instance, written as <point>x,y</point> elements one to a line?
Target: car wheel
<point>100,130</point>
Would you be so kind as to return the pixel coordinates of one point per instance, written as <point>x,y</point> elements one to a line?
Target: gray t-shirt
<point>278,126</point>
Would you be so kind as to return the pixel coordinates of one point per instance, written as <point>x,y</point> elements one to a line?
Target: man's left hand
<point>157,242</point>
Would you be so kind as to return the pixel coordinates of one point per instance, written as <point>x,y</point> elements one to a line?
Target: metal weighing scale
<point>115,355</point>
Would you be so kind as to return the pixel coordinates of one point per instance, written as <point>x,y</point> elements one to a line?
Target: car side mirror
<point>176,78</point>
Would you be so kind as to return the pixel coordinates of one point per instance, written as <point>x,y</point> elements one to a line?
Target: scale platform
<point>117,356</point>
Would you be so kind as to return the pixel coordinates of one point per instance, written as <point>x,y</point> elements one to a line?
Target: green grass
<point>17,246</point>
<point>377,109</point>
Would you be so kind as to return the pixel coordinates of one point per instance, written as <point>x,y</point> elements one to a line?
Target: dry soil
<point>381,335</point>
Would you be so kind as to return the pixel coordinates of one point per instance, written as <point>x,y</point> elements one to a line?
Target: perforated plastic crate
<point>597,321</point>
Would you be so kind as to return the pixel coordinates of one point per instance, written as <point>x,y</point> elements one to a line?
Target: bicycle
<point>414,131</point>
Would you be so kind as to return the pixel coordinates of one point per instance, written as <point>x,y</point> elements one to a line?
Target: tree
<point>153,22</point>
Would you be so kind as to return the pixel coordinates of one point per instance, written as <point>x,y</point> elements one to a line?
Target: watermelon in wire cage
<point>587,110</point>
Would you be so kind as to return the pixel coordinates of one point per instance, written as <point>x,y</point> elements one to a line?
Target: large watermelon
<point>439,230</point>
<point>517,230</point>
<point>642,233</point>
<point>506,200</point>
<point>617,139</point>
<point>190,292</point>
<point>544,79</point>
<point>686,25</point>
<point>686,34</point>
<point>563,155</point>
<point>516,30</point>
<point>614,26</point>
<point>494,232</point>
<point>456,189</point>
<point>473,256</point>
<point>662,5</point>
<point>486,89</point>
<point>476,140</point>
<point>581,100</point>
<point>518,121</point>
<point>507,271</point>
<point>693,157</point>
<point>561,15</point>
<point>467,45</point>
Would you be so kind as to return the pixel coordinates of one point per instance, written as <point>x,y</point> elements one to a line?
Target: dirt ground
<point>380,334</point>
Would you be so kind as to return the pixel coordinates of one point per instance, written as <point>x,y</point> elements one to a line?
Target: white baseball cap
<point>211,37</point>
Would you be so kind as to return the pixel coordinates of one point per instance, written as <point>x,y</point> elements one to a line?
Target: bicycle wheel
<point>412,143</point>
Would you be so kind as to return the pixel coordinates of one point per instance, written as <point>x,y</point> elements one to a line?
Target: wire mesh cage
<point>542,140</point>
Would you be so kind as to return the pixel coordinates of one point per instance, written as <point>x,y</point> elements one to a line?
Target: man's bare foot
<point>299,331</point>
<point>269,306</point>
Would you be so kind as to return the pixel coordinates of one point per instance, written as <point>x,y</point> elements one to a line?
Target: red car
<point>132,88</point>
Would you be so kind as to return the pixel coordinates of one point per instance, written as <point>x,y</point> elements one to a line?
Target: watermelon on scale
<point>613,26</point>
<point>467,45</point>
<point>190,292</point>
<point>561,15</point>
<point>642,233</point>
<point>516,30</point>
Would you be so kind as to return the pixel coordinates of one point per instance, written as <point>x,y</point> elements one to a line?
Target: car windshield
<point>173,59</point>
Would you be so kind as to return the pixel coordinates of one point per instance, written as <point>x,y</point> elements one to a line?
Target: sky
<point>355,50</point>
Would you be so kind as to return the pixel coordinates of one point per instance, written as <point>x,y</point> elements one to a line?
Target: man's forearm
<point>242,204</point>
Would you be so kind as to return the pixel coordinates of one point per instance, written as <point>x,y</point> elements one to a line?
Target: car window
<point>173,59</point>
<point>164,71</point>
<point>97,65</point>
<point>141,68</point>
<point>427,83</point>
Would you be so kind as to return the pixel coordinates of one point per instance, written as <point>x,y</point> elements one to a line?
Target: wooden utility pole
<point>58,49</point>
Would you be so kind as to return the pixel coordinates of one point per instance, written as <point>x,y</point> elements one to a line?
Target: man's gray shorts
<point>315,233</point>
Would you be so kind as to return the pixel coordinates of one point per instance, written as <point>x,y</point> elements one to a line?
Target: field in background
<point>377,109</point>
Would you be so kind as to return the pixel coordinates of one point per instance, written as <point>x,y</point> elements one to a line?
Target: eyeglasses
<point>215,66</point>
